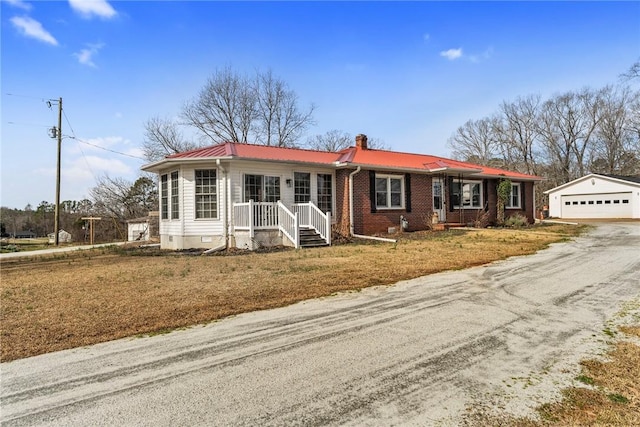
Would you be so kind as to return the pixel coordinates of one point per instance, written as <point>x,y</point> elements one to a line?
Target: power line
<point>43,99</point>
<point>107,149</point>
<point>28,124</point>
<point>94,145</point>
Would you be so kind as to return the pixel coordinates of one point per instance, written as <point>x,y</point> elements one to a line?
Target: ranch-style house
<point>248,196</point>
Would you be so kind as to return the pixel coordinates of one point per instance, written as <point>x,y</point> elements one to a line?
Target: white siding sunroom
<point>197,202</point>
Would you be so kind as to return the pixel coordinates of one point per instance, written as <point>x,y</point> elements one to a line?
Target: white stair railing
<point>288,224</point>
<point>311,216</point>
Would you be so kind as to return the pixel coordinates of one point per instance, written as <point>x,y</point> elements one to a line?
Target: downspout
<point>351,175</point>
<point>351,226</point>
<point>225,226</point>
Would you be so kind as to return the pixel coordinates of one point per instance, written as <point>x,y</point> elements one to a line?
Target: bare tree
<point>475,141</point>
<point>333,140</point>
<point>122,199</point>
<point>517,132</point>
<point>337,140</point>
<point>616,145</point>
<point>235,108</point>
<point>566,124</point>
<point>280,121</point>
<point>162,138</point>
<point>633,72</point>
<point>225,109</point>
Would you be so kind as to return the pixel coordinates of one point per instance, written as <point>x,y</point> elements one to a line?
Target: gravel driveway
<point>423,352</point>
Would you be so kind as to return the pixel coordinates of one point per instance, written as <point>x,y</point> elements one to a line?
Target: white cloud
<point>19,4</point>
<point>482,56</point>
<point>426,37</point>
<point>85,56</point>
<point>89,8</point>
<point>96,166</point>
<point>452,54</point>
<point>135,151</point>
<point>32,28</point>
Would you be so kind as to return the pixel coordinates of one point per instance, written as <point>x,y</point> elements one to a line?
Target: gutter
<point>351,226</point>
<point>225,226</point>
<point>351,175</point>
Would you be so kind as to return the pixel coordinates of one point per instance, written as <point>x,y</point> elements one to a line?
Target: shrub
<point>516,221</point>
<point>482,219</point>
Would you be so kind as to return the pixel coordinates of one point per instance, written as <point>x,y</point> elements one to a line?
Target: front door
<point>438,199</point>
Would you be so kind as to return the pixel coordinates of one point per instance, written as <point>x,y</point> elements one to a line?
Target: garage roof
<point>624,179</point>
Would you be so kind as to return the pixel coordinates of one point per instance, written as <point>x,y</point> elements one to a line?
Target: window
<point>261,188</point>
<point>567,203</point>
<point>164,197</point>
<point>590,202</point>
<point>175,199</point>
<point>469,192</point>
<point>513,202</point>
<point>253,188</point>
<point>206,194</point>
<point>598,202</point>
<point>271,188</point>
<point>325,201</point>
<point>389,190</point>
<point>302,187</point>
<point>625,201</point>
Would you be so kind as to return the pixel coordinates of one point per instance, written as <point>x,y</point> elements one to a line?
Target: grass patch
<point>613,398</point>
<point>58,302</point>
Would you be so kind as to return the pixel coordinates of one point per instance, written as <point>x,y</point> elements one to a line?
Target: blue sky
<point>408,73</point>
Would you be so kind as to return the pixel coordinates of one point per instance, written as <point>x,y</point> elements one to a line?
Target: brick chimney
<point>361,141</point>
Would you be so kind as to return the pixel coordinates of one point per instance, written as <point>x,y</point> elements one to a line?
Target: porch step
<point>310,239</point>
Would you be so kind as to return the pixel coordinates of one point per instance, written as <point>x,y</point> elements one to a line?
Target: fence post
<point>251,230</point>
<point>296,231</point>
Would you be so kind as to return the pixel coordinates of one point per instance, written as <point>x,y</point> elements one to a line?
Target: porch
<point>301,225</point>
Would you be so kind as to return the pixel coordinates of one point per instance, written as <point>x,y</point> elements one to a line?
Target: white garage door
<point>613,205</point>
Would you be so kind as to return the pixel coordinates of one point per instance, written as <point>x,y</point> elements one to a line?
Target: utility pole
<point>58,133</point>
<point>57,220</point>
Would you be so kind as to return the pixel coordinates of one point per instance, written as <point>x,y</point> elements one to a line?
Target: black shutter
<point>485,195</point>
<point>451,207</point>
<point>372,190</point>
<point>523,186</point>
<point>407,192</point>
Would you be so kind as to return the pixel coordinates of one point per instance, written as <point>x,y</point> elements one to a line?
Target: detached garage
<point>596,196</point>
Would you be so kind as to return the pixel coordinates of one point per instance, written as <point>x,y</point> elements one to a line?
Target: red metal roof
<point>381,159</point>
<point>259,152</point>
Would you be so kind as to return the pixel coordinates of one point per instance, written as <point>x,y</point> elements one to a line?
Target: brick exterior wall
<point>369,223</point>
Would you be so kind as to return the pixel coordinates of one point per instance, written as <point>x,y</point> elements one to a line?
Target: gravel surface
<point>436,350</point>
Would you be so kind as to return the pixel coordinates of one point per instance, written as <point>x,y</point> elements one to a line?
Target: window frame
<point>269,188</point>
<point>164,196</point>
<point>324,192</point>
<point>175,195</point>
<point>388,194</point>
<point>462,183</point>
<point>209,198</point>
<point>509,204</point>
<point>299,197</point>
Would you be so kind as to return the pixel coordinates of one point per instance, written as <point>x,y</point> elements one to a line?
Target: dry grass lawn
<point>80,298</point>
<point>610,395</point>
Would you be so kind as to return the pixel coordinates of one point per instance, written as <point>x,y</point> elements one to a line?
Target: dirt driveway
<point>505,336</point>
